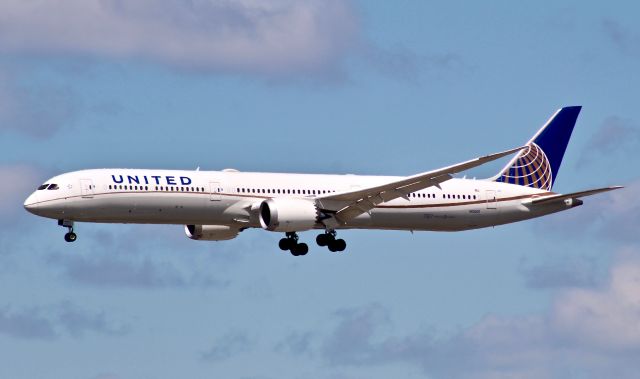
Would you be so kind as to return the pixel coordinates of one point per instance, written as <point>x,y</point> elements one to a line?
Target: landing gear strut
<point>290,242</point>
<point>329,239</point>
<point>70,236</point>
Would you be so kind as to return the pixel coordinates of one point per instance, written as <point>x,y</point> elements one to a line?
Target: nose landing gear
<point>329,239</point>
<point>70,236</point>
<point>290,242</point>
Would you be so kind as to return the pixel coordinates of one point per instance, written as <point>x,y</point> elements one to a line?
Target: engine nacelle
<point>211,232</point>
<point>288,215</point>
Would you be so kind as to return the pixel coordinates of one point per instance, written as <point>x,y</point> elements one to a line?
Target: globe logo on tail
<point>531,169</point>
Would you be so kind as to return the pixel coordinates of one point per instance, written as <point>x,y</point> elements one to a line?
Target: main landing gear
<point>290,242</point>
<point>329,239</point>
<point>70,236</point>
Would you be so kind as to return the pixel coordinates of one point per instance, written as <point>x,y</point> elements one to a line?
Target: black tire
<point>322,239</point>
<point>332,246</point>
<point>341,244</point>
<point>70,237</point>
<point>299,249</point>
<point>284,244</point>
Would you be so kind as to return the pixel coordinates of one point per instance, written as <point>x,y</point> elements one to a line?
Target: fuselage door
<point>492,201</point>
<point>86,188</point>
<point>214,191</point>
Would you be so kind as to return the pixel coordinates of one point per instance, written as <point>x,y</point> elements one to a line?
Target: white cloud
<point>108,269</point>
<point>624,39</point>
<point>48,322</point>
<point>227,346</point>
<point>22,179</point>
<point>590,333</point>
<point>605,318</point>
<point>269,37</point>
<point>37,110</point>
<point>614,216</point>
<point>615,135</point>
<point>561,272</point>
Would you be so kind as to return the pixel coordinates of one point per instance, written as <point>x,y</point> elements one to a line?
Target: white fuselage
<point>233,198</point>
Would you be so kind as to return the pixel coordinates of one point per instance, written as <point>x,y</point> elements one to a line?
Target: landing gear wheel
<point>285,244</point>
<point>322,239</point>
<point>337,245</point>
<point>299,249</point>
<point>70,237</point>
<point>326,238</point>
<point>290,242</point>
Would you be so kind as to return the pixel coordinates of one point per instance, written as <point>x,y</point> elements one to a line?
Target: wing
<point>575,195</point>
<point>363,200</point>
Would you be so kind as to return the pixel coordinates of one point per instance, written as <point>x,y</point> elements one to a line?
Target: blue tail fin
<point>538,165</point>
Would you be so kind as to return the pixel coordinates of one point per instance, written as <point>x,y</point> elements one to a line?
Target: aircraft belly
<point>432,218</point>
<point>155,209</point>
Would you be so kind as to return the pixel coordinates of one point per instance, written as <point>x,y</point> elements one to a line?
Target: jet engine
<point>210,232</point>
<point>288,215</point>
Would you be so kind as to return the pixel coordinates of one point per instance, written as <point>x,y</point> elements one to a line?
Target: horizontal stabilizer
<point>575,195</point>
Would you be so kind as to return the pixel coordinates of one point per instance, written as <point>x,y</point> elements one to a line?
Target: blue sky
<point>364,87</point>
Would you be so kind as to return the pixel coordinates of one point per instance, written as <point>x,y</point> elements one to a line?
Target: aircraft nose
<point>31,203</point>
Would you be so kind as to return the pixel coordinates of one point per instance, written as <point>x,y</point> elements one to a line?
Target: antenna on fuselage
<point>198,168</point>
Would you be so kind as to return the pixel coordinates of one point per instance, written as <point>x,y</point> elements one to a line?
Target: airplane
<point>218,205</point>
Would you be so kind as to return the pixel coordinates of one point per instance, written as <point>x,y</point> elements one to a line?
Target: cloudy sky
<point>366,87</point>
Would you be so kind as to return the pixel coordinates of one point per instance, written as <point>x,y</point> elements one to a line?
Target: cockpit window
<point>44,186</point>
<point>53,187</point>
